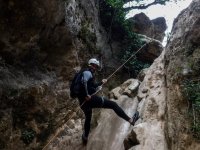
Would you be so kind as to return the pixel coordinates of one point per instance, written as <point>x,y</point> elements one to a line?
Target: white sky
<point>170,11</point>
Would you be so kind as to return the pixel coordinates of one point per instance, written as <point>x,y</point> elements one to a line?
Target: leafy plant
<point>113,16</point>
<point>113,19</point>
<point>28,136</point>
<point>191,89</point>
<point>131,44</point>
<point>195,128</point>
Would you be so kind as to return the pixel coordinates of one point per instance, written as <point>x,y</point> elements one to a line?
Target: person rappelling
<point>84,87</point>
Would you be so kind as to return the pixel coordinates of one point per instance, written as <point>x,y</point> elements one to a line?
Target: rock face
<point>152,28</point>
<point>111,129</point>
<point>32,32</point>
<point>33,36</point>
<point>160,27</point>
<point>39,43</point>
<point>163,105</point>
<point>182,63</point>
<point>151,50</point>
<point>152,105</point>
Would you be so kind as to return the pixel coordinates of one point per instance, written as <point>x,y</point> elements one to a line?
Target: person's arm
<point>101,83</point>
<point>86,76</point>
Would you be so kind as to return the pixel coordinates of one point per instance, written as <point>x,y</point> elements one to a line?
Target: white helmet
<point>94,61</point>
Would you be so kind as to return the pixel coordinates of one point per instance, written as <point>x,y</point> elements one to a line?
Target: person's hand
<point>104,81</point>
<point>99,88</point>
<point>88,97</point>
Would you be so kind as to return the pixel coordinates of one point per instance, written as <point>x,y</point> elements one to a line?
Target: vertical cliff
<point>169,94</point>
<point>41,42</point>
<point>182,78</point>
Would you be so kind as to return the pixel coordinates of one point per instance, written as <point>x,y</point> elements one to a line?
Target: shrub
<point>191,90</point>
<point>28,136</point>
<point>113,19</point>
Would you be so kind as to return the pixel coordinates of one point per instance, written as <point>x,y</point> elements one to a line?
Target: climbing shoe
<point>135,118</point>
<point>84,139</point>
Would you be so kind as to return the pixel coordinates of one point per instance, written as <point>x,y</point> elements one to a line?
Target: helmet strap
<point>93,68</point>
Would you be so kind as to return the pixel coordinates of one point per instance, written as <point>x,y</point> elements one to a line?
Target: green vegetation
<point>113,19</point>
<point>132,43</point>
<point>113,15</point>
<point>28,135</point>
<point>191,89</point>
<point>196,122</point>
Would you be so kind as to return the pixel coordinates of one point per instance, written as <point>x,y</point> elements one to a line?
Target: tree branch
<point>143,6</point>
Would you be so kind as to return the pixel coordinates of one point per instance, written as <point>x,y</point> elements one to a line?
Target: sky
<point>169,11</point>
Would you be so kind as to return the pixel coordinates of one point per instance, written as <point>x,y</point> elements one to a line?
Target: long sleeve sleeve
<point>87,75</point>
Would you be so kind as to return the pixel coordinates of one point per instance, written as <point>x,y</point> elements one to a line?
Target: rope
<point>126,61</point>
<point>121,66</point>
<point>78,61</point>
<point>66,122</point>
<point>97,91</point>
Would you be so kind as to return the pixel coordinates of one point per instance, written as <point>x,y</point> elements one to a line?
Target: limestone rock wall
<point>39,43</point>
<point>182,63</point>
<point>151,96</point>
<point>152,28</point>
<point>166,119</point>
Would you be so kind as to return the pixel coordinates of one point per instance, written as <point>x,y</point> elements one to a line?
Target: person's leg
<point>98,102</point>
<point>88,114</point>
<point>118,110</point>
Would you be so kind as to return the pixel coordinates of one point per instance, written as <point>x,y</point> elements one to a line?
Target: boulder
<point>128,88</point>
<point>151,50</point>
<point>152,28</point>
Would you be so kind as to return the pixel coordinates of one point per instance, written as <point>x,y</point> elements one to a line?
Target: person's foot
<point>84,139</point>
<point>135,118</point>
